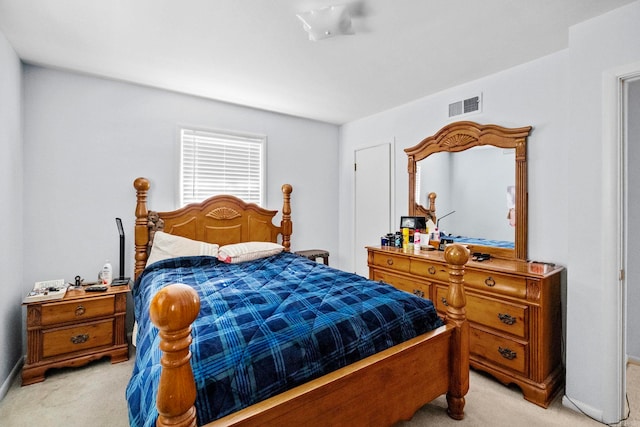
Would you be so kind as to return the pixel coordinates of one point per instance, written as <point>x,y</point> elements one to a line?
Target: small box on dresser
<point>73,331</point>
<point>513,308</point>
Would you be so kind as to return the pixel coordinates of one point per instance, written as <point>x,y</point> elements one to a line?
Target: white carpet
<point>93,395</point>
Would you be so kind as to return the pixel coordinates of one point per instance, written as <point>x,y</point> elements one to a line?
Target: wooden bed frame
<point>380,390</point>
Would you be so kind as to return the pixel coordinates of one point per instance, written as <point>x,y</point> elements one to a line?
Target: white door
<point>372,177</point>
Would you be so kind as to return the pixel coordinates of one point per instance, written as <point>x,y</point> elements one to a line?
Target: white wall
<point>86,140</point>
<point>513,98</point>
<point>597,48</point>
<point>572,182</point>
<point>12,285</point>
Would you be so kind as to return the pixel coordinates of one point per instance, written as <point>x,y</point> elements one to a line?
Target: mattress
<point>266,326</point>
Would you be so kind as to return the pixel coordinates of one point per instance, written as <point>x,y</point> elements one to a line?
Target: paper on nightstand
<point>46,291</point>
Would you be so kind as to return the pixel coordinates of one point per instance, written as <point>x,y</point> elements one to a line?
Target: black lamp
<point>121,280</point>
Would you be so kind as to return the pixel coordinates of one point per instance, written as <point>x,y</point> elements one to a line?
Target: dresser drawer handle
<point>431,270</point>
<point>506,319</point>
<point>444,301</point>
<point>80,339</point>
<point>507,353</point>
<point>490,282</point>
<point>389,261</point>
<point>80,310</point>
<point>419,293</point>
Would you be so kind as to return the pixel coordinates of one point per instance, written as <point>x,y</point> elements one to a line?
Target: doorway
<point>372,194</point>
<point>631,236</point>
<point>623,97</point>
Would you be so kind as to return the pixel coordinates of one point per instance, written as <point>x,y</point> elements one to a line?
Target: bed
<point>375,381</point>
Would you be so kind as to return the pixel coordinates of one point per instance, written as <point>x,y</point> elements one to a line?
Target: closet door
<point>372,219</point>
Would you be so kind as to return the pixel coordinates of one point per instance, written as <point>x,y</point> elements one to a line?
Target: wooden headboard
<point>220,219</point>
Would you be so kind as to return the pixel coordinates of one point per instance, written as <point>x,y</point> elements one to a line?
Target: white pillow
<point>247,251</point>
<point>167,245</point>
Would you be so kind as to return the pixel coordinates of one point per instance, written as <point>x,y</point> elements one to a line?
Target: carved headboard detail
<point>220,219</point>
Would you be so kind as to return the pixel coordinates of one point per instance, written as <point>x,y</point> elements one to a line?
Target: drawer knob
<point>389,261</point>
<point>444,301</point>
<point>431,270</point>
<point>506,319</point>
<point>490,282</point>
<point>507,353</point>
<point>80,310</point>
<point>419,293</point>
<point>80,339</point>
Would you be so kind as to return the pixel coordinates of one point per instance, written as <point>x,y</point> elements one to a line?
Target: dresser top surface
<point>525,268</point>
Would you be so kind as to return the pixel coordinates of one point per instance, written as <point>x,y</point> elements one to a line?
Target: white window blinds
<point>221,163</point>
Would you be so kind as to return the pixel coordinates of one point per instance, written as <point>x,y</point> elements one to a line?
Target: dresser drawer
<point>499,350</point>
<point>430,270</point>
<point>72,311</point>
<point>503,316</point>
<point>397,262</point>
<point>500,315</point>
<point>76,338</point>
<point>403,283</point>
<point>514,286</point>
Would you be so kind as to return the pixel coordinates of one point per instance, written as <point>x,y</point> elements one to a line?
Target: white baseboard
<point>633,360</point>
<point>6,385</point>
<point>578,406</point>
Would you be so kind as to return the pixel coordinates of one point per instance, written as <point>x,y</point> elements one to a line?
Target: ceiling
<point>256,53</point>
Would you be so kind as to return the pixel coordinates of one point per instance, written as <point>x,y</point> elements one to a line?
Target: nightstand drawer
<point>499,350</point>
<point>71,311</point>
<point>402,283</point>
<point>77,338</point>
<point>397,262</point>
<point>514,286</point>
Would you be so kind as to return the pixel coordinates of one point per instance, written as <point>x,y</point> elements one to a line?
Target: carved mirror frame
<point>460,136</point>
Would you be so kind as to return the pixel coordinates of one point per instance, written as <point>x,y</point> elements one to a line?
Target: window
<point>215,163</point>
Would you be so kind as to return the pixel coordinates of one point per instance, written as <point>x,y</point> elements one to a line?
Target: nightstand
<point>314,254</point>
<point>73,331</point>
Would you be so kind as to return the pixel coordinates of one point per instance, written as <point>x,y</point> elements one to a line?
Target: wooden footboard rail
<point>175,307</point>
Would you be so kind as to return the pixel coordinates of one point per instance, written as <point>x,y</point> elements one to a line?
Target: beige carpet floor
<point>93,395</point>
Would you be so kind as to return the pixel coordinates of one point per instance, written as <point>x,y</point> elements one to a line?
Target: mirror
<point>478,175</point>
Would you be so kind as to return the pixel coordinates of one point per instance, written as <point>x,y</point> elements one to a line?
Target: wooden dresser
<point>513,307</point>
<point>82,327</point>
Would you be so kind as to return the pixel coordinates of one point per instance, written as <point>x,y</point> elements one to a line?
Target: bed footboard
<point>438,364</point>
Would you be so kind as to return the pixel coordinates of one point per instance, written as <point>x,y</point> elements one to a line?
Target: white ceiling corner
<point>256,53</point>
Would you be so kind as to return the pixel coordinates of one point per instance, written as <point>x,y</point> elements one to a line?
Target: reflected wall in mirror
<point>479,172</point>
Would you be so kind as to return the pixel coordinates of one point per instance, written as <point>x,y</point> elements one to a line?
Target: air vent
<point>466,106</point>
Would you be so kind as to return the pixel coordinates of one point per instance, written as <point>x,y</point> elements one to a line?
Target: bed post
<point>457,256</point>
<point>172,310</point>
<point>141,231</point>
<point>286,224</point>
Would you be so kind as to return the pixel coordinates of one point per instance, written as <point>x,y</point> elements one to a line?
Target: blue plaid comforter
<point>266,326</point>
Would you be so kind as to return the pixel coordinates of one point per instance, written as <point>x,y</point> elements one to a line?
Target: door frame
<point>614,136</point>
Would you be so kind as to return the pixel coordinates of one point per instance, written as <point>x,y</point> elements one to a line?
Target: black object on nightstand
<point>314,254</point>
